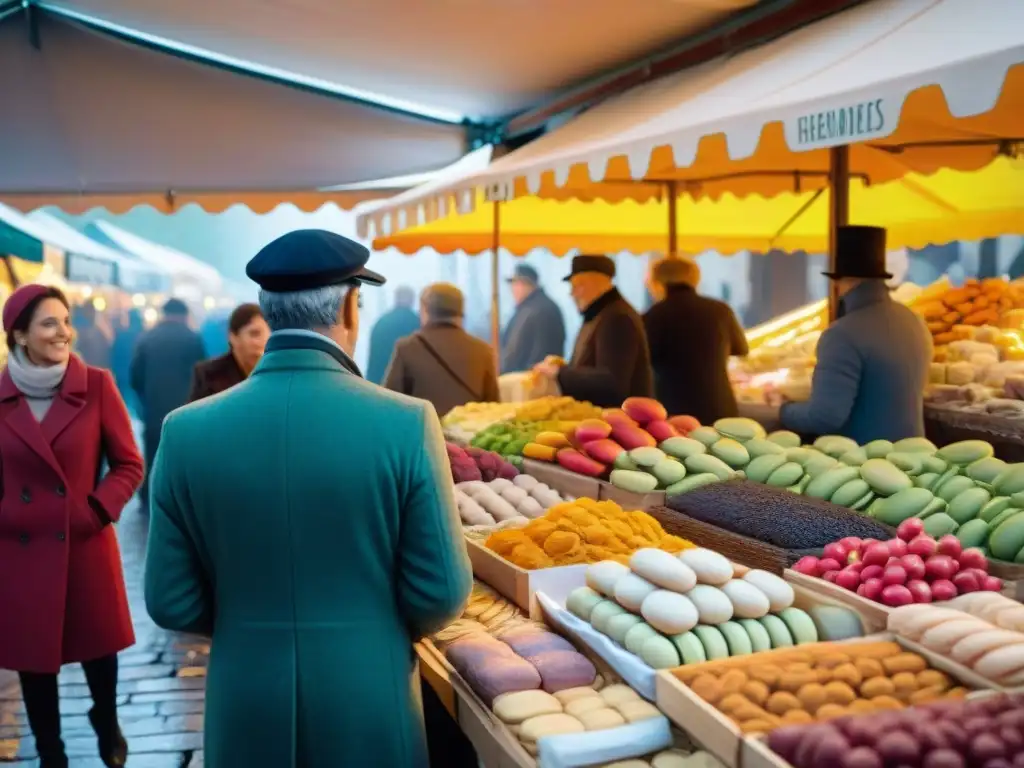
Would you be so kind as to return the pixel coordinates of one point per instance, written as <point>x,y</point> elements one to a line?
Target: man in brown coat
<point>611,360</point>
<point>441,362</point>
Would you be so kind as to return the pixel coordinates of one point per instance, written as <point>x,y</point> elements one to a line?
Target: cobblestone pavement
<point>161,689</point>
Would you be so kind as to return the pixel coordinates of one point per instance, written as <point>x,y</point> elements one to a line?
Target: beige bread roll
<point>601,719</point>
<point>619,694</point>
<point>585,704</point>
<point>548,725</point>
<point>672,758</point>
<point>635,711</point>
<point>571,694</point>
<point>514,708</point>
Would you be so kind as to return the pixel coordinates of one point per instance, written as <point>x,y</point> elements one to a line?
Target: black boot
<point>51,754</point>
<point>113,747</point>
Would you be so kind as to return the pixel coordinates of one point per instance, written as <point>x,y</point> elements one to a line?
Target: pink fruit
<point>914,566</point>
<point>871,589</point>
<point>807,566</point>
<point>940,567</point>
<point>661,430</point>
<point>616,417</point>
<point>910,529</point>
<point>589,430</point>
<point>942,590</point>
<point>978,574</point>
<point>949,545</point>
<point>991,584</point>
<point>827,564</point>
<point>894,574</point>
<point>893,561</point>
<point>897,547</point>
<point>855,567</point>
<point>871,572</point>
<point>632,437</point>
<point>852,543</point>
<point>876,554</point>
<point>920,590</point>
<point>604,451</point>
<point>684,424</point>
<point>896,595</point>
<point>966,582</point>
<point>973,558</point>
<point>830,576</point>
<point>836,551</point>
<point>848,580</point>
<point>644,409</point>
<point>923,546</point>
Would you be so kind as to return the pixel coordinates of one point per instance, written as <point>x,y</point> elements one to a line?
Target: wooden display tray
<point>562,480</point>
<point>862,605</point>
<point>434,671</point>
<point>722,737</point>
<point>518,584</point>
<point>629,500</point>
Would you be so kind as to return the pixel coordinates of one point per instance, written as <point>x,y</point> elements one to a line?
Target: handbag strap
<point>448,369</point>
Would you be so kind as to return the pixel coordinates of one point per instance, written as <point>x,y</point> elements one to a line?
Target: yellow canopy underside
<point>916,210</point>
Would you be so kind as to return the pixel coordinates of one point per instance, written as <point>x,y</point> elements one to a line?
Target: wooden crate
<point>629,500</point>
<point>562,480</point>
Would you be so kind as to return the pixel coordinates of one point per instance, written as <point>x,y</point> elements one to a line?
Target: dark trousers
<point>447,744</point>
<point>150,442</point>
<point>42,706</point>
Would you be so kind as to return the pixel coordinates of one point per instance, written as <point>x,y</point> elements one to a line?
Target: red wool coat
<point>62,592</point>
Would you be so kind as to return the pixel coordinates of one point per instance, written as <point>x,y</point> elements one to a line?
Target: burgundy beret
<point>19,300</point>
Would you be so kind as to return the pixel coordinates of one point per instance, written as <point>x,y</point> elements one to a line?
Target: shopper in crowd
<point>872,362</point>
<point>62,591</point>
<point>125,338</point>
<point>214,333</point>
<point>395,324</point>
<point>247,336</point>
<point>611,361</point>
<point>90,342</point>
<point>441,362</point>
<point>536,329</point>
<point>691,338</point>
<point>161,374</point>
<point>306,520</point>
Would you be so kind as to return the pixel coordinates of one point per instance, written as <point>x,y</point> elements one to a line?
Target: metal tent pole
<point>838,213</point>
<point>496,286</point>
<point>672,191</point>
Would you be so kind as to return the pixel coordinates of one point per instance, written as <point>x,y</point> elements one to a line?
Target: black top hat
<point>860,252</point>
<point>591,263</point>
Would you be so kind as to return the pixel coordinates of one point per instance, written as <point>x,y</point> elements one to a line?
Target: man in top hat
<point>305,519</point>
<point>873,361</point>
<point>536,329</point>
<point>610,361</point>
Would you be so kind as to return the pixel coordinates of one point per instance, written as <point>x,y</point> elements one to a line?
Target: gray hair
<point>303,310</point>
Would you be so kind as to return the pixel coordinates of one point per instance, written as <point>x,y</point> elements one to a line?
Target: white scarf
<point>39,384</point>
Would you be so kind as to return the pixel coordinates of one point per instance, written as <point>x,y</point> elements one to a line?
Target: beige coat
<point>415,371</point>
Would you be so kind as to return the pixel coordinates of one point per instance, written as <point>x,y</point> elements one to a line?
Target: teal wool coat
<point>305,519</point>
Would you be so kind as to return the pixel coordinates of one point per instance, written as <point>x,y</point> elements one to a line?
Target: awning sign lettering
<point>843,125</point>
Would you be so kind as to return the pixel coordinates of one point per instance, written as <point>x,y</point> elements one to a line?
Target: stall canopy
<point>191,279</point>
<point>916,210</point>
<point>911,85</point>
<point>130,274</point>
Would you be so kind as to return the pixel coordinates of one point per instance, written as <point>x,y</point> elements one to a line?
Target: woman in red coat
<point>62,592</point>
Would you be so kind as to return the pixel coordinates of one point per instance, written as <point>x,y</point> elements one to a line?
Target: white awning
<point>911,85</point>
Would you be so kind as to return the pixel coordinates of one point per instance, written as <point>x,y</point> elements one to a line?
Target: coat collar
<point>289,340</point>
<point>599,304</point>
<point>864,295</point>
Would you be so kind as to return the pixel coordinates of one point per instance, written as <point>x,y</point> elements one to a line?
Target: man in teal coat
<point>305,519</point>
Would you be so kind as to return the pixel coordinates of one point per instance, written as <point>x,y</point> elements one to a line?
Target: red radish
<point>892,561</point>
<point>896,595</point>
<point>914,566</point>
<point>827,564</point>
<point>871,572</point>
<point>855,567</point>
<point>942,590</point>
<point>920,590</point>
<point>852,543</point>
<point>940,567</point>
<point>923,546</point>
<point>966,582</point>
<point>835,551</point>
<point>876,554</point>
<point>949,545</point>
<point>910,529</point>
<point>991,584</point>
<point>897,547</point>
<point>871,589</point>
<point>865,543</point>
<point>973,558</point>
<point>830,576</point>
<point>894,574</point>
<point>807,566</point>
<point>848,580</point>
<point>978,574</point>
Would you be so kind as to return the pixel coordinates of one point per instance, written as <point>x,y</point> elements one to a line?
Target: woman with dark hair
<point>62,591</point>
<point>247,335</point>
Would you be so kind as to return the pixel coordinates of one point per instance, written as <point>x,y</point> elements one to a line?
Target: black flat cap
<point>591,263</point>
<point>310,258</point>
<point>525,273</point>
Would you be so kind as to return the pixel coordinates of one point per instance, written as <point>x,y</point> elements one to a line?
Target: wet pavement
<point>161,688</point>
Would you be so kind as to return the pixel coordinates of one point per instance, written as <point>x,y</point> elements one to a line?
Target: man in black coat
<point>393,326</point>
<point>610,361</point>
<point>161,375</point>
<point>691,339</point>
<point>536,329</point>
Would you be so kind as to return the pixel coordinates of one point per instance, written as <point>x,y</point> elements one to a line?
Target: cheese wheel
<point>635,711</point>
<point>663,569</point>
<point>514,708</point>
<point>548,725</point>
<point>601,719</point>
<point>602,577</point>
<point>748,602</point>
<point>571,694</point>
<point>713,607</point>
<point>670,612</point>
<point>631,590</point>
<point>619,694</point>
<point>709,566</point>
<point>585,704</point>
<point>778,591</point>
